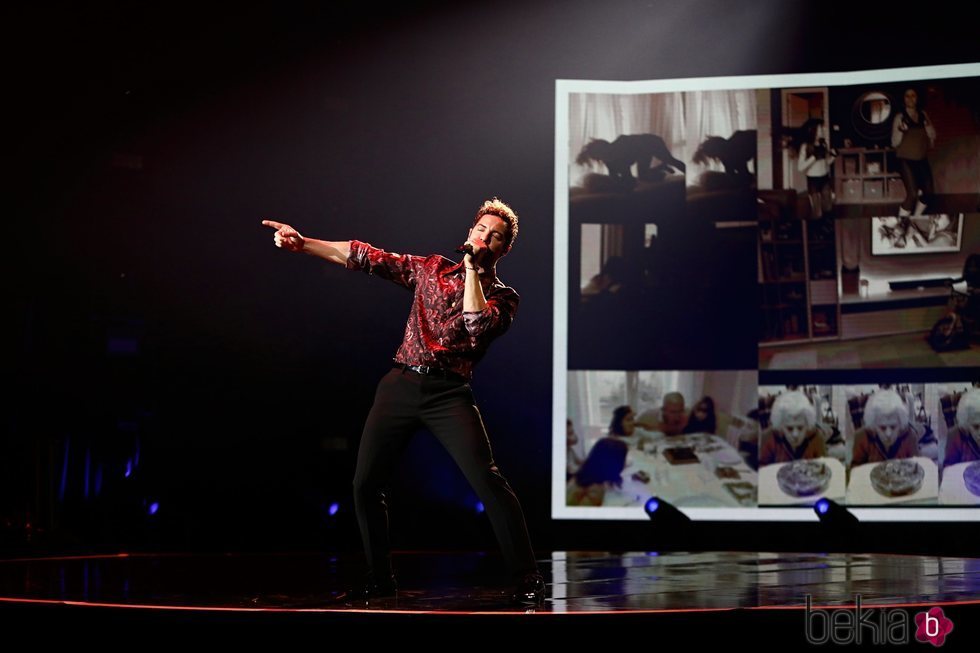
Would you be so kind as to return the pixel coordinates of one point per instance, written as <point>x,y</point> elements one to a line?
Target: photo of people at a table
<point>686,437</point>
<point>766,296</point>
<point>904,444</point>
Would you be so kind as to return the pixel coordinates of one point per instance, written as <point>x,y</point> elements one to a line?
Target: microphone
<point>465,248</point>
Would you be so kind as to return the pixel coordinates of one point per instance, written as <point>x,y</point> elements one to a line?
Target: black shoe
<point>371,589</point>
<point>530,591</point>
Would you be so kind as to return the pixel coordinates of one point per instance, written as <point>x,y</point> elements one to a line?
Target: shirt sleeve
<point>403,269</point>
<point>496,316</point>
<point>805,158</point>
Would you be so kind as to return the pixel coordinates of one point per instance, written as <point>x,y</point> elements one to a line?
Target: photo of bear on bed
<point>649,177</point>
<point>722,148</point>
<point>625,157</point>
<point>621,155</point>
<point>734,153</point>
<point>724,190</point>
<point>628,176</point>
<point>644,157</point>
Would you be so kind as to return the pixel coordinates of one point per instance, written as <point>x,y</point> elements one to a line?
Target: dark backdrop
<point>154,327</point>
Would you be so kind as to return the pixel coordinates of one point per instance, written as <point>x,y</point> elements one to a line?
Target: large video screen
<point>767,291</point>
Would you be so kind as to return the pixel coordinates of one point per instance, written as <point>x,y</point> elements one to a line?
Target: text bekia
<point>856,625</point>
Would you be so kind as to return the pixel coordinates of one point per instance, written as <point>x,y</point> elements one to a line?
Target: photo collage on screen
<point>884,444</point>
<point>773,295</point>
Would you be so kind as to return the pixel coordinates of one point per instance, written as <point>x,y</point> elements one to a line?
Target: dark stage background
<point>155,331</point>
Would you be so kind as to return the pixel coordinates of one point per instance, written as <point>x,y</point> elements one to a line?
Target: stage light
<point>333,509</point>
<point>833,514</point>
<point>154,507</point>
<point>662,512</point>
<point>479,507</point>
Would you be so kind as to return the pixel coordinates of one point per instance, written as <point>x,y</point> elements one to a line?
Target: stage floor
<point>698,592</point>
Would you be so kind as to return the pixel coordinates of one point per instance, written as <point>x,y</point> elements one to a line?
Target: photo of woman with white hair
<point>793,434</point>
<point>886,434</point>
<point>963,440</point>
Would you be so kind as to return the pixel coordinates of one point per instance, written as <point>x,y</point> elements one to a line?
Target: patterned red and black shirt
<point>439,333</point>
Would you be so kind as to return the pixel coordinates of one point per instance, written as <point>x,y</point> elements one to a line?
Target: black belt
<point>432,371</point>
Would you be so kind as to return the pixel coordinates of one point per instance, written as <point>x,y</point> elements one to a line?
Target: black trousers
<point>917,176</point>
<point>404,402</point>
<point>821,195</point>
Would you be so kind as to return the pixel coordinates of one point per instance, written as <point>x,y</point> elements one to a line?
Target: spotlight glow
<point>154,507</point>
<point>332,510</point>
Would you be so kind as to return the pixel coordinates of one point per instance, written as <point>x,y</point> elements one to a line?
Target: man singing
<point>457,311</point>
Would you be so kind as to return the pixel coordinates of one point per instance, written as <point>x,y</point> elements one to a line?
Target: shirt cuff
<point>355,258</point>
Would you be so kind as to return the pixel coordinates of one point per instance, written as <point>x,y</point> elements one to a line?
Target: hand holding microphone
<point>475,253</point>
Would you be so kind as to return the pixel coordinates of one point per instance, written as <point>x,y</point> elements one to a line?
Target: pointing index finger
<point>273,224</point>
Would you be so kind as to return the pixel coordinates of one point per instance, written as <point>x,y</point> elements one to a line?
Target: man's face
<point>490,232</point>
<point>888,427</point>
<point>795,429</point>
<point>673,413</point>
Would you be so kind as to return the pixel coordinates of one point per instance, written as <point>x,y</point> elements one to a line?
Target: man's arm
<point>650,420</point>
<point>495,316</point>
<point>474,300</point>
<point>288,238</point>
<point>333,251</point>
<point>480,315</point>
<point>403,269</point>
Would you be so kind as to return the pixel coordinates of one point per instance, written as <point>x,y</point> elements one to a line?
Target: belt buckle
<point>423,369</point>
